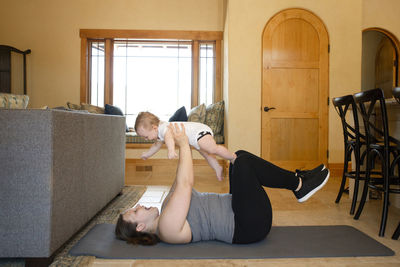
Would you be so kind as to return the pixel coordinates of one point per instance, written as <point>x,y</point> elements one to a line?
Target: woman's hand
<point>178,134</point>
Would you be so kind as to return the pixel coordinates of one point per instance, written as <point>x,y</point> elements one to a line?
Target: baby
<point>200,137</point>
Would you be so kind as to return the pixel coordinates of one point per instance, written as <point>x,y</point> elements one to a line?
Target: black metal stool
<point>396,95</point>
<point>379,145</point>
<point>353,141</point>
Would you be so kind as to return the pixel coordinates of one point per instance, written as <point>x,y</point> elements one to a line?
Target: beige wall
<point>50,28</point>
<point>383,14</point>
<point>247,20</point>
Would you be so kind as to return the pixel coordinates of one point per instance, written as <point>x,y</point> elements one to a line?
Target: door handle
<point>266,109</point>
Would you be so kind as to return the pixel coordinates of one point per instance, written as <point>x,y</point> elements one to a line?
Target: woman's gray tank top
<point>211,217</point>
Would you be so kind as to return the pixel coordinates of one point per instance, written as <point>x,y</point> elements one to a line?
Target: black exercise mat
<point>282,242</point>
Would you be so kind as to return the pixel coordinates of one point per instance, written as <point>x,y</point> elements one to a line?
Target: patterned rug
<point>109,214</point>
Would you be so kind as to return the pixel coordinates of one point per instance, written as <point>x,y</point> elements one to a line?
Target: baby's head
<point>146,125</point>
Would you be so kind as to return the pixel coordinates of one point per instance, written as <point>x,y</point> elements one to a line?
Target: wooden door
<point>385,68</point>
<point>295,88</point>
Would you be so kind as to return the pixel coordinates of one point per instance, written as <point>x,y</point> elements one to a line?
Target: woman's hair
<point>146,119</point>
<point>127,231</point>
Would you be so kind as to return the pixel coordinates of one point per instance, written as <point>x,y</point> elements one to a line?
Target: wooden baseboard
<point>336,169</point>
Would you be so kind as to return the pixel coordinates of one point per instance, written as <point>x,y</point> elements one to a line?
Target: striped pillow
<point>215,117</point>
<point>198,114</point>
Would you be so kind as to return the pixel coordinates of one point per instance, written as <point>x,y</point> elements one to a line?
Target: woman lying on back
<point>242,216</point>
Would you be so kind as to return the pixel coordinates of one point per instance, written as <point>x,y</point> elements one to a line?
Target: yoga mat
<point>281,242</point>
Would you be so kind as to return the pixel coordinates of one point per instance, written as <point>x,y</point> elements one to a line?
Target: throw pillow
<point>215,117</point>
<point>198,114</point>
<point>179,115</point>
<point>3,101</point>
<point>114,110</point>
<point>73,106</point>
<point>92,108</point>
<point>13,101</point>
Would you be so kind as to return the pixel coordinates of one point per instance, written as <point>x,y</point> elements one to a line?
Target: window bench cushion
<point>133,138</point>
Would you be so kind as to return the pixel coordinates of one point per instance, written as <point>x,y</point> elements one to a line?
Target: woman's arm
<point>152,150</point>
<point>172,225</point>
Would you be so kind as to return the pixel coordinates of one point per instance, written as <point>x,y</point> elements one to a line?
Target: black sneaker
<point>311,184</point>
<point>309,173</point>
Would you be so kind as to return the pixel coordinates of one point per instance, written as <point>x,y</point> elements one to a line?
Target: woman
<point>242,216</point>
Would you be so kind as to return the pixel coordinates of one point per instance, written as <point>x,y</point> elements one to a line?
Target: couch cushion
<point>215,117</point>
<point>198,114</point>
<point>179,115</point>
<point>13,101</point>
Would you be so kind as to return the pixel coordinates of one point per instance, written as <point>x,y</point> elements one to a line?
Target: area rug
<point>109,214</point>
<point>282,242</point>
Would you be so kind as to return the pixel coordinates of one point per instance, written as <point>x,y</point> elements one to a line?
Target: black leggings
<point>250,202</point>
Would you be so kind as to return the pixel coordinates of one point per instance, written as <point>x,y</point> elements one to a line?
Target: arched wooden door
<point>295,90</point>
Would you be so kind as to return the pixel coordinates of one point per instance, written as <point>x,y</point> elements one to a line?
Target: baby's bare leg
<point>207,144</point>
<point>212,161</point>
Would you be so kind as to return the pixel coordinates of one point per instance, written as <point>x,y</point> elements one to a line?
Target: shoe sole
<point>312,192</point>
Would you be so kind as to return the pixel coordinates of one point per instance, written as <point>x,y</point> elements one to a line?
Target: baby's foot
<point>220,173</point>
<point>234,158</point>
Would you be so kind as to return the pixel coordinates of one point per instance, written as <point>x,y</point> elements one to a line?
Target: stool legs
<point>396,233</point>
<point>385,208</point>
<point>347,155</point>
<point>365,190</point>
<point>356,180</point>
<point>347,159</point>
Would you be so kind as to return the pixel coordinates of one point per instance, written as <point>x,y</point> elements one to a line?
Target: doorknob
<point>266,109</point>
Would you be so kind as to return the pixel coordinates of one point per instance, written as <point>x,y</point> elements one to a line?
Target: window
<point>157,71</point>
<point>97,73</point>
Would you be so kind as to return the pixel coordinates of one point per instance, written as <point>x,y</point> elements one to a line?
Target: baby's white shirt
<point>193,131</point>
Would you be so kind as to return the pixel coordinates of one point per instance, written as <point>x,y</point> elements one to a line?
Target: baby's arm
<point>152,150</point>
<point>170,143</point>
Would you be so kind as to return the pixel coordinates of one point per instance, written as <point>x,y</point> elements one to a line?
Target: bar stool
<point>396,95</point>
<point>379,145</point>
<point>353,141</point>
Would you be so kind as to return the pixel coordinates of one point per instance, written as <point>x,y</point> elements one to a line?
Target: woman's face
<point>140,214</point>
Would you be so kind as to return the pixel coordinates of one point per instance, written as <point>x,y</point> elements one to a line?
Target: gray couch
<point>57,170</point>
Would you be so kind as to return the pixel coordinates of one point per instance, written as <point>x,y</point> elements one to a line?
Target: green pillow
<point>215,117</point>
<point>13,101</point>
<point>198,114</point>
<point>92,108</point>
<point>73,106</point>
